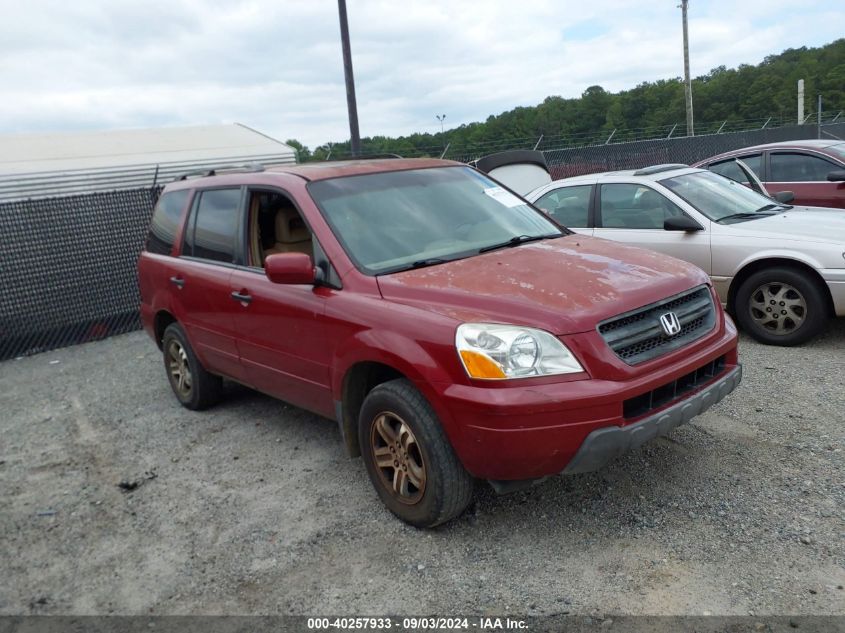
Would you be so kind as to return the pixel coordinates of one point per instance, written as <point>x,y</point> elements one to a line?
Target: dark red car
<point>451,329</point>
<point>813,170</point>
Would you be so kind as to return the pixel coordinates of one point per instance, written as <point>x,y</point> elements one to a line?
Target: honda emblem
<point>670,323</point>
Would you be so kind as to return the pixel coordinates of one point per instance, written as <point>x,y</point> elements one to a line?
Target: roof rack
<point>656,169</point>
<point>204,173</point>
<point>360,157</point>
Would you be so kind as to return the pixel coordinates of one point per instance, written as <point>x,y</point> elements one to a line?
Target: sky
<point>276,65</point>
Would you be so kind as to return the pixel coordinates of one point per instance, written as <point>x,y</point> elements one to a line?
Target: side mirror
<point>783,196</point>
<point>290,268</point>
<point>837,175</point>
<point>681,223</point>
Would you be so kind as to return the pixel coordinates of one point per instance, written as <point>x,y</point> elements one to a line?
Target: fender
<point>404,355</point>
<point>155,296</point>
<point>800,257</point>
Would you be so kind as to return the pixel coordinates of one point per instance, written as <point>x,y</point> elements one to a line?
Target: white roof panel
<point>39,165</point>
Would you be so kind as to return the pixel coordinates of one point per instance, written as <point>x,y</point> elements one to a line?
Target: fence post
<point>837,116</point>
<point>672,131</point>
<point>610,137</point>
<point>445,149</point>
<point>719,131</point>
<point>766,123</point>
<point>539,140</point>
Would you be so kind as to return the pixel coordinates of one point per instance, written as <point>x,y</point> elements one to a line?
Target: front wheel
<point>408,457</point>
<point>781,306</point>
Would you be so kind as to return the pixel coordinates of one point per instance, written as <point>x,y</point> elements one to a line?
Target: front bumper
<point>835,280</point>
<point>536,430</point>
<point>604,445</point>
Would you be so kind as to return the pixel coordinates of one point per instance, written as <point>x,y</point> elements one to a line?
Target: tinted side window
<point>799,168</point>
<point>730,169</point>
<point>570,206</point>
<point>165,222</point>
<point>213,231</point>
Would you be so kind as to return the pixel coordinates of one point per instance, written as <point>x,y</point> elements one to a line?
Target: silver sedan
<point>779,269</point>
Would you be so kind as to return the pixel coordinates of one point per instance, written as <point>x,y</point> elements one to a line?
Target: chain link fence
<point>67,268</point>
<point>576,161</point>
<point>68,264</point>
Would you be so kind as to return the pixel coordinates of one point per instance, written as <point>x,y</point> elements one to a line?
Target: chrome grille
<point>638,336</point>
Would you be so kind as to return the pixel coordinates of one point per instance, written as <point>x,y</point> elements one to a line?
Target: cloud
<point>276,64</point>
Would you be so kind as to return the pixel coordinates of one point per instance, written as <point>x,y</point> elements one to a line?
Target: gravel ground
<point>252,508</point>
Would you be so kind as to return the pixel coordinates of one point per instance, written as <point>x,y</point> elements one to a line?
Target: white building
<point>54,164</point>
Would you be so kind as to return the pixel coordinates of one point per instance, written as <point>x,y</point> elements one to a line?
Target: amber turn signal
<point>480,366</point>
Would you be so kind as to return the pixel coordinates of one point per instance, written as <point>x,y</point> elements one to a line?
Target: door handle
<point>177,281</point>
<point>245,298</point>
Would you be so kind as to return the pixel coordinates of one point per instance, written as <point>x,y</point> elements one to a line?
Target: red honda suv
<point>453,330</point>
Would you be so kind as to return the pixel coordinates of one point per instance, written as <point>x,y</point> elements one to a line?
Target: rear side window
<point>213,230</point>
<point>569,206</point>
<point>165,223</point>
<point>799,168</point>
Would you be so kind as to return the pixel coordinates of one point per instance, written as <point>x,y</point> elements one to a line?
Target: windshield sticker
<point>503,197</point>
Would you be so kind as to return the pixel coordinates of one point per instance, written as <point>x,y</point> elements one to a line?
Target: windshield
<point>719,197</point>
<point>392,221</point>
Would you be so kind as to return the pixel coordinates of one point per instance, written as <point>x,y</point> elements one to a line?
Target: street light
<point>441,118</point>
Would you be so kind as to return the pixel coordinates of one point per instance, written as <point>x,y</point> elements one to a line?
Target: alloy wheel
<point>179,370</point>
<point>397,457</point>
<point>778,308</point>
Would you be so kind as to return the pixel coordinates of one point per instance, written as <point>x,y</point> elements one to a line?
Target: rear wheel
<point>781,306</point>
<point>194,387</point>
<point>408,457</point>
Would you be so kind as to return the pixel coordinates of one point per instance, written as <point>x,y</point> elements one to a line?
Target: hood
<point>564,285</point>
<point>815,224</point>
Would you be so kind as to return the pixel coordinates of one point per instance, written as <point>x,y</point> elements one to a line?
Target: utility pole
<point>687,81</point>
<point>351,105</point>
<point>800,101</point>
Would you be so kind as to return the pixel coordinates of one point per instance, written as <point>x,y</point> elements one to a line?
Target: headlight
<point>497,352</point>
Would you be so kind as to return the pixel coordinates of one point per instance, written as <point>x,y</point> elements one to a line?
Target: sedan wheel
<point>781,306</point>
<point>778,307</point>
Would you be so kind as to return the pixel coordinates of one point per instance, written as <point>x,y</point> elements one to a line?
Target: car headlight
<point>499,352</point>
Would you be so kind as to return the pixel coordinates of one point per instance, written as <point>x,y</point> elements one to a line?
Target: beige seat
<point>292,236</point>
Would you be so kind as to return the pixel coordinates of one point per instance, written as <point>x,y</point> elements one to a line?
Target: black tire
<point>447,488</point>
<point>205,388</point>
<point>799,311</point>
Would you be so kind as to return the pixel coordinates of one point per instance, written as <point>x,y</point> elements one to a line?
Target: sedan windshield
<point>720,198</point>
<point>393,221</point>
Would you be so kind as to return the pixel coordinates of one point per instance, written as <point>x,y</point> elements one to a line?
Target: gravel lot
<point>252,508</point>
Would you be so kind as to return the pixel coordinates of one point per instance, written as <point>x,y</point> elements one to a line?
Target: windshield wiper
<point>431,261</point>
<point>517,240</point>
<point>772,205</point>
<point>746,215</point>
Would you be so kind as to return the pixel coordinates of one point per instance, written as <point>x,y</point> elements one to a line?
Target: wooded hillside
<point>738,94</point>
